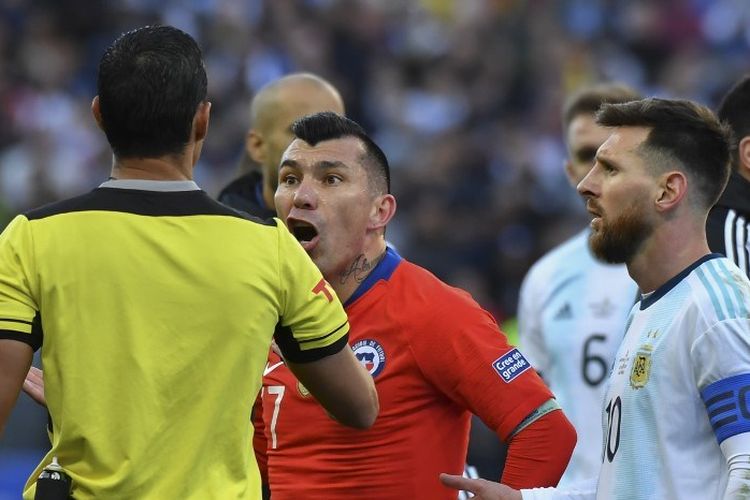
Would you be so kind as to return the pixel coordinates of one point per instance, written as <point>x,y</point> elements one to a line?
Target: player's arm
<point>540,448</point>
<point>313,335</point>
<point>470,361</point>
<point>342,386</point>
<point>15,360</point>
<point>736,450</point>
<point>721,364</point>
<point>487,490</point>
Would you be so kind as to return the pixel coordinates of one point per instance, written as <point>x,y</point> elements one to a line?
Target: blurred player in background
<point>137,315</point>
<point>572,305</point>
<point>272,111</point>
<point>674,417</point>
<point>435,355</point>
<point>728,225</point>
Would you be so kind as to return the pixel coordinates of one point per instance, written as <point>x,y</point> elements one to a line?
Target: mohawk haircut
<point>327,125</point>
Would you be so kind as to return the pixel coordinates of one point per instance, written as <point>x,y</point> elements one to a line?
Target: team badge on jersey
<point>371,354</point>
<point>641,367</point>
<point>510,365</point>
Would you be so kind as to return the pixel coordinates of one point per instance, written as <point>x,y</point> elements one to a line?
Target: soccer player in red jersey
<point>436,356</point>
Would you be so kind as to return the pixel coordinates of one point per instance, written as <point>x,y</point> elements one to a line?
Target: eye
<point>332,180</point>
<point>288,179</point>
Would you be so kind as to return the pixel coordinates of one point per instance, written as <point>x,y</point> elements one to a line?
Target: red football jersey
<point>436,357</point>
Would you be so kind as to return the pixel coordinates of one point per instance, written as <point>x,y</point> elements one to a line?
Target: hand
<point>482,489</point>
<point>34,385</point>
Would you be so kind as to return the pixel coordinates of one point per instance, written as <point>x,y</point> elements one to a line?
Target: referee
<point>728,225</point>
<point>155,306</point>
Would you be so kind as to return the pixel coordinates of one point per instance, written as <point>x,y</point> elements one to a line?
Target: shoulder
<point>572,253</point>
<point>419,293</point>
<point>720,290</point>
<point>562,265</point>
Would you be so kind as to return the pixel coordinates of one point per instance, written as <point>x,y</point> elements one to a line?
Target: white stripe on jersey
<point>736,242</point>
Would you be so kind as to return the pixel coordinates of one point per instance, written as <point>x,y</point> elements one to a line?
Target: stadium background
<point>463,95</point>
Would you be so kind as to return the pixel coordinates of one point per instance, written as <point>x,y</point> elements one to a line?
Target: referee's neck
<point>154,169</point>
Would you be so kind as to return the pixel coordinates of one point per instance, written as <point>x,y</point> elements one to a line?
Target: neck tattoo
<point>360,268</point>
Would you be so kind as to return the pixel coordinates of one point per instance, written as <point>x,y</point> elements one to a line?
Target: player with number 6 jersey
<point>572,306</point>
<point>572,313</point>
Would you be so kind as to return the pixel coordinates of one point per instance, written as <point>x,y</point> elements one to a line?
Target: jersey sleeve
<point>313,323</point>
<point>463,353</point>
<point>721,365</point>
<point>18,308</point>
<point>530,337</point>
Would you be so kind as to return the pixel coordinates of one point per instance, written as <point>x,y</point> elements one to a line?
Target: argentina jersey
<point>678,387</point>
<point>572,317</point>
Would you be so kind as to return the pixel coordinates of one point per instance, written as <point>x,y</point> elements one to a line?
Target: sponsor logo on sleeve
<point>371,354</point>
<point>510,365</point>
<point>322,287</point>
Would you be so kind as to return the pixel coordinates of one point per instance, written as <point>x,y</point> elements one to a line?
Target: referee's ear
<point>97,112</point>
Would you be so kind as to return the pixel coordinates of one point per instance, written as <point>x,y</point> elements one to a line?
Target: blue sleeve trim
<point>728,404</point>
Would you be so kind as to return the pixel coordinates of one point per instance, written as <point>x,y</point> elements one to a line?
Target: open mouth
<point>304,232</point>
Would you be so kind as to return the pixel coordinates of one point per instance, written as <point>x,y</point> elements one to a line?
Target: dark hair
<point>328,125</point>
<point>734,110</point>
<point>588,100</point>
<point>150,83</point>
<point>683,131</point>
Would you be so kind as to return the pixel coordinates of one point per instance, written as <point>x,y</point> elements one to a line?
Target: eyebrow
<point>607,163</point>
<point>321,165</point>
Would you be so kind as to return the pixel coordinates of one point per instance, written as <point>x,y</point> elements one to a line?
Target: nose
<point>305,196</point>
<point>585,188</point>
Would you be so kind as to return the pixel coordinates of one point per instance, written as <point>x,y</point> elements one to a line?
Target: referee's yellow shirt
<point>155,307</point>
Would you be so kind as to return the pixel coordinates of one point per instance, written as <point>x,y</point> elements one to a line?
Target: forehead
<point>584,131</point>
<point>347,150</point>
<point>623,142</point>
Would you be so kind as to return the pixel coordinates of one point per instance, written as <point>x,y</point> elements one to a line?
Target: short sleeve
<point>313,323</point>
<point>19,319</point>
<point>721,365</point>
<point>466,356</point>
<point>530,336</point>
<point>721,352</point>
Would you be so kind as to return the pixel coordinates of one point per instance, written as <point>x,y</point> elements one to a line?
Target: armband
<point>548,406</point>
<point>728,404</point>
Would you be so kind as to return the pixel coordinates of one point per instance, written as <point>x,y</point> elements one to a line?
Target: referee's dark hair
<point>683,133</point>
<point>734,110</point>
<point>327,125</point>
<point>150,83</point>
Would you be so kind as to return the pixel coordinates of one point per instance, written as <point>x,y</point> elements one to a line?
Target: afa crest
<point>641,368</point>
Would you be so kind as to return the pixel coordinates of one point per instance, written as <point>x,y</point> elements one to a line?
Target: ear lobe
<point>254,145</point>
<point>672,189</point>
<point>97,112</point>
<point>384,208</point>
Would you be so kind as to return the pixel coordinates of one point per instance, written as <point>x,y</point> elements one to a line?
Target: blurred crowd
<point>463,95</point>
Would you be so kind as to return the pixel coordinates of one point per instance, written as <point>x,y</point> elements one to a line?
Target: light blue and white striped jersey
<point>683,365</point>
<point>571,318</point>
